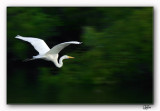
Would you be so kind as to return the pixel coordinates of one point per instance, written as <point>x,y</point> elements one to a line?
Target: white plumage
<point>45,52</point>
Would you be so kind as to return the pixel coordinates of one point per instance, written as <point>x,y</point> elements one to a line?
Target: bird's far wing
<point>38,44</point>
<point>56,49</point>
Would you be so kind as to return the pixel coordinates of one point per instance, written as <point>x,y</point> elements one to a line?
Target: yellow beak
<point>70,57</point>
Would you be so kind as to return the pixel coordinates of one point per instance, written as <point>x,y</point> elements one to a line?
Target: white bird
<point>45,52</point>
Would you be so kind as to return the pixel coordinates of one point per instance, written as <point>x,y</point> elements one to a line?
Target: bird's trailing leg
<point>26,60</point>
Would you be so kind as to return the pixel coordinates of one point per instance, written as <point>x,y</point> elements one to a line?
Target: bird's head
<point>67,57</point>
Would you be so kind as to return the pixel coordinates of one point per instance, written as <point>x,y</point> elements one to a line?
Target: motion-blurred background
<point>114,65</point>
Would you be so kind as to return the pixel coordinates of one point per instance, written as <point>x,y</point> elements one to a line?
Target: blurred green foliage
<point>117,44</point>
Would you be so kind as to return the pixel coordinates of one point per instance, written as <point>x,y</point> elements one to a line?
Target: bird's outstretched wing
<point>56,49</point>
<point>38,44</point>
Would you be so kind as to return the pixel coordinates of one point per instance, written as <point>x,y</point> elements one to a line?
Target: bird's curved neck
<point>60,64</point>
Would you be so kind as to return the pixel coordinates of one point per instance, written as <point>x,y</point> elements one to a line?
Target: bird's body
<point>45,52</point>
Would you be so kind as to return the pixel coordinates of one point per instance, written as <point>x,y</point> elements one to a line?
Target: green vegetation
<point>117,50</point>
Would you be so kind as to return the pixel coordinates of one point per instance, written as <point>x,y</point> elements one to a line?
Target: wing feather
<point>56,49</point>
<point>38,44</point>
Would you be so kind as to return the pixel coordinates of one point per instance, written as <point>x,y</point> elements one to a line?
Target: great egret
<point>45,52</point>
